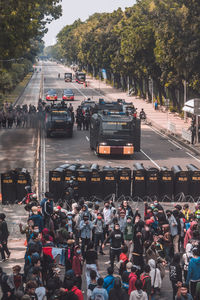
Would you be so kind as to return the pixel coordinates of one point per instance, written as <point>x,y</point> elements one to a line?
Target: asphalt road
<point>17,145</point>
<point>157,150</point>
<point>17,149</point>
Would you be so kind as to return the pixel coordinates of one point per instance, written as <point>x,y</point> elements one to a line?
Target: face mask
<point>198,216</point>
<point>78,251</point>
<point>155,203</point>
<point>99,217</point>
<point>36,230</point>
<point>107,206</point>
<point>69,217</point>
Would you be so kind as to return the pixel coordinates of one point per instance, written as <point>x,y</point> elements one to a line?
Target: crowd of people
<point>19,116</point>
<point>66,251</point>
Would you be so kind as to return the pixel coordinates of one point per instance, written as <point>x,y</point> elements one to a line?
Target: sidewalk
<point>157,118</point>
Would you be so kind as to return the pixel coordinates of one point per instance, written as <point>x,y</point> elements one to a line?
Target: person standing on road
<point>85,233</point>
<point>117,292</point>
<point>116,241</point>
<point>173,230</point>
<point>98,224</point>
<point>99,292</point>
<point>109,280</point>
<point>138,294</point>
<point>193,275</point>
<point>4,233</point>
<point>48,210</point>
<point>175,273</point>
<point>6,287</point>
<point>107,215</point>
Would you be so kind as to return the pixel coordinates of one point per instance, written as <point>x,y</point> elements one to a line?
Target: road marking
<point>79,90</point>
<point>150,159</point>
<point>165,136</point>
<point>193,156</point>
<point>33,140</point>
<point>87,138</point>
<point>174,144</point>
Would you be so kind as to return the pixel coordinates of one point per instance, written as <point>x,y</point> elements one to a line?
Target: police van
<point>114,133</point>
<point>59,121</point>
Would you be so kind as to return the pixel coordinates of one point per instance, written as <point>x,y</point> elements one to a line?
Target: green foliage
<point>157,39</point>
<point>22,27</point>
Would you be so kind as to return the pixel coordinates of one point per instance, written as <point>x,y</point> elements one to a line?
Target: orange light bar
<point>128,150</point>
<point>103,149</point>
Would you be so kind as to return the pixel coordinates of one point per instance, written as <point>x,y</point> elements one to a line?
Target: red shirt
<point>77,265</point>
<point>132,280</point>
<point>77,292</point>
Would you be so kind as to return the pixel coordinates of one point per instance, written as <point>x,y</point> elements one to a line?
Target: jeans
<point>114,253</point>
<point>88,268</point>
<point>98,237</point>
<point>129,244</point>
<point>193,285</point>
<point>84,243</point>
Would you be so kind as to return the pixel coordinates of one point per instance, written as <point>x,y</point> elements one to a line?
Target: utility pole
<point>185,96</point>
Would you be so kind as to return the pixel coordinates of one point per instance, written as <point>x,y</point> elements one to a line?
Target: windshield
<point>59,116</point>
<point>116,127</point>
<point>51,92</point>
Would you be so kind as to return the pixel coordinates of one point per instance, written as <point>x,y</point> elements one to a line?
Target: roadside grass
<point>11,97</point>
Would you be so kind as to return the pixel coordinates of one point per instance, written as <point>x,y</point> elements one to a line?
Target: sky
<point>74,9</point>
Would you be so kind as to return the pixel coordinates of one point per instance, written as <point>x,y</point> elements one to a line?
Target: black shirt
<point>91,257</point>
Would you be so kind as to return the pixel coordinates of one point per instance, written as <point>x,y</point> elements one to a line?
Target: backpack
<point>99,297</point>
<point>143,278</point>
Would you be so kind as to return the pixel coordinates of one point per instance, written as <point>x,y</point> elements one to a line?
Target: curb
<point>23,90</point>
<point>174,137</point>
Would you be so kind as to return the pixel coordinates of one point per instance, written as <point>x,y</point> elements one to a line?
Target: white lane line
<point>79,90</point>
<point>166,137</point>
<point>33,140</point>
<point>193,156</point>
<point>174,144</point>
<point>150,159</point>
<point>87,138</point>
